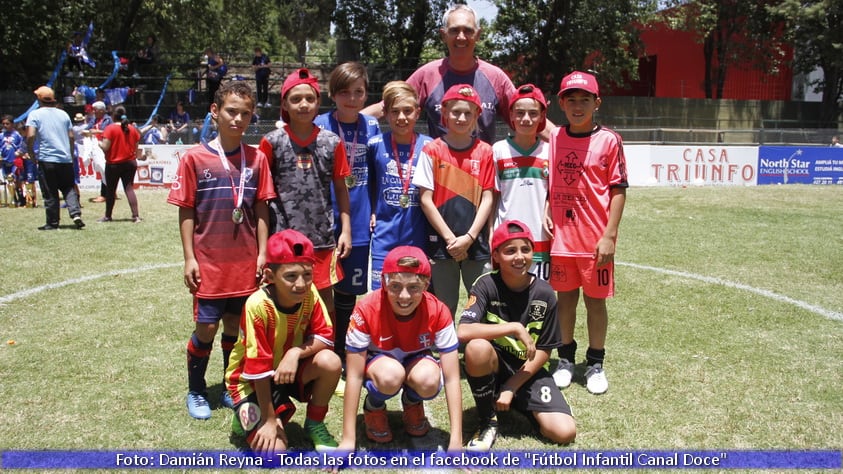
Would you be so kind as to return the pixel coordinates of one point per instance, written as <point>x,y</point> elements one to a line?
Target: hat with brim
<point>392,262</point>
<point>503,234</point>
<point>45,94</point>
<point>579,80</point>
<point>298,77</point>
<point>528,91</point>
<point>289,246</point>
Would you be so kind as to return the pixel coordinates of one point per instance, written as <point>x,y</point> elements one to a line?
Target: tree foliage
<point>542,40</point>
<point>814,28</point>
<point>390,32</point>
<point>36,31</point>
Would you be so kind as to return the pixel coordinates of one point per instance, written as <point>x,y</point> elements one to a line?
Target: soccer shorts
<point>570,273</point>
<point>538,395</point>
<point>210,311</point>
<point>326,271</point>
<point>355,267</point>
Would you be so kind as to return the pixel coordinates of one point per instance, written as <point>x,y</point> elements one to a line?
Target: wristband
<point>470,236</point>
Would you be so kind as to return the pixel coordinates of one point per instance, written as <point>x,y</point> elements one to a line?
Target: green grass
<point>692,364</point>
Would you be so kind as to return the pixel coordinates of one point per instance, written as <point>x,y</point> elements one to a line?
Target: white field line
<point>740,286</point>
<point>692,276</point>
<point>50,286</point>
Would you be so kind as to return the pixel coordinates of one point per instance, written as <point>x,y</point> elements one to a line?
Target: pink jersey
<point>583,170</point>
<point>374,327</point>
<point>227,252</point>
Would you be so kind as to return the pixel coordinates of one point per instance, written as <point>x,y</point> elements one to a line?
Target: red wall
<point>680,71</point>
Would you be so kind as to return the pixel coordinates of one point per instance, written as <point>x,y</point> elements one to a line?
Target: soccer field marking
<point>50,286</point>
<point>740,286</point>
<point>692,276</point>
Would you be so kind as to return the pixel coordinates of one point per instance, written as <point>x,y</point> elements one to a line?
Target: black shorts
<point>538,395</point>
<point>247,413</point>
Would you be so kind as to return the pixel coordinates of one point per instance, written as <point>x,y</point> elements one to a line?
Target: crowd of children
<point>333,251</point>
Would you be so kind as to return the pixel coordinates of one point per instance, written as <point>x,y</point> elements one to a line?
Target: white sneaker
<point>564,373</point>
<point>595,379</point>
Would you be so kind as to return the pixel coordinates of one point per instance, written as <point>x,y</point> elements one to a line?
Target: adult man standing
<point>460,33</point>
<point>50,131</point>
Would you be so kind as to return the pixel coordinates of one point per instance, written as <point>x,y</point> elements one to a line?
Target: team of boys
<point>250,215</point>
<point>277,249</point>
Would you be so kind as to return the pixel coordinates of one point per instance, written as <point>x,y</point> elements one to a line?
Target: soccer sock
<point>568,351</point>
<point>375,400</point>
<point>594,356</point>
<point>227,345</point>
<point>316,413</point>
<point>343,307</point>
<point>483,390</point>
<point>198,353</point>
<point>409,396</point>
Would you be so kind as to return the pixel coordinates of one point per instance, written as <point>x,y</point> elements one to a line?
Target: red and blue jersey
<point>374,327</point>
<point>227,252</point>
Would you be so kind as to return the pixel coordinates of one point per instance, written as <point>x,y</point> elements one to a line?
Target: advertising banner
<point>800,165</point>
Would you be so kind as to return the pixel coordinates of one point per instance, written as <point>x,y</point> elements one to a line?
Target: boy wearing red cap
<point>221,192</point>
<point>306,161</point>
<point>588,184</point>
<point>389,345</point>
<point>285,350</point>
<point>509,327</point>
<point>455,178</point>
<point>521,170</point>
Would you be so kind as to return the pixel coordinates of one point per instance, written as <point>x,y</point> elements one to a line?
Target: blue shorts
<point>210,311</point>
<point>377,267</point>
<point>355,267</point>
<point>30,171</point>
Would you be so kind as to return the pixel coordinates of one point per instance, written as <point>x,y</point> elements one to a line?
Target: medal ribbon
<point>405,182</point>
<point>353,153</point>
<point>238,196</point>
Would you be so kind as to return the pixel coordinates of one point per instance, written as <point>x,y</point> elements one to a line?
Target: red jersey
<point>583,170</point>
<point>124,146</point>
<point>267,333</point>
<point>374,327</point>
<point>227,252</point>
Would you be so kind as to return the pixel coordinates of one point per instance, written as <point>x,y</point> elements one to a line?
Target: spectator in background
<point>95,128</point>
<point>179,125</point>
<point>835,142</point>
<point>120,144</point>
<point>154,133</point>
<point>49,131</point>
<point>260,64</point>
<point>214,72</point>
<point>145,56</point>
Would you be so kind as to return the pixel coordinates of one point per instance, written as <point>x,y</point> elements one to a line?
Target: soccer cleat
<point>415,422</point>
<point>484,437</point>
<point>78,222</point>
<point>197,406</point>
<point>377,425</point>
<point>595,379</point>
<point>564,373</point>
<point>340,390</point>
<point>225,399</point>
<point>318,432</point>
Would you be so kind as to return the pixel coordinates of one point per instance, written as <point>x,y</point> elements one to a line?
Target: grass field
<point>726,331</point>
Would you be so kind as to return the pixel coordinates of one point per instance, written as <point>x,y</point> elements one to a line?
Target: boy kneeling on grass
<point>391,336</point>
<point>510,327</point>
<point>285,349</point>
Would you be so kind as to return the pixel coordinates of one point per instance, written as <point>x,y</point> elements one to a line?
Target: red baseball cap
<point>297,77</point>
<point>391,265</point>
<point>579,80</point>
<point>462,92</point>
<point>502,233</point>
<point>528,91</point>
<point>289,246</point>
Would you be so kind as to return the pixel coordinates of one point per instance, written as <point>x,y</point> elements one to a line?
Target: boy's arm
<point>289,365</point>
<point>192,278</point>
<point>434,217</point>
<point>519,378</point>
<point>477,330</point>
<point>266,439</point>
<point>461,244</point>
<point>453,395</point>
<point>355,366</point>
<point>344,206</point>
<point>262,214</point>
<point>604,252</point>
